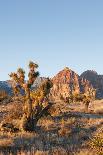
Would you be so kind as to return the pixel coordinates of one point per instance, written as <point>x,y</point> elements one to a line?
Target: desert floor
<point>68,131</point>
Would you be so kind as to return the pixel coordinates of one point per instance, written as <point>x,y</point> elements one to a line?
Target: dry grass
<point>59,151</point>
<point>86,152</point>
<point>96,143</point>
<point>15,111</point>
<point>41,152</point>
<point>97,106</point>
<point>46,122</point>
<point>6,142</point>
<point>60,134</point>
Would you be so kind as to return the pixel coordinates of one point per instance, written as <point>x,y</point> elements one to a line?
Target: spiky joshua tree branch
<point>31,112</point>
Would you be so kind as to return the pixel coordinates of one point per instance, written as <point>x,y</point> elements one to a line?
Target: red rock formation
<point>67,82</point>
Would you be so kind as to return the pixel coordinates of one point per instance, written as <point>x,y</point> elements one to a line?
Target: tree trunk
<point>29,103</point>
<point>86,106</point>
<point>29,123</point>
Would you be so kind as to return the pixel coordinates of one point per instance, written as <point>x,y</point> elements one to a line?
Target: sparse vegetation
<point>31,125</point>
<point>96,143</point>
<point>85,98</point>
<point>34,104</point>
<point>3,95</point>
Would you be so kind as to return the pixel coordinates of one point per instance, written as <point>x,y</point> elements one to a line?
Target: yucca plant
<point>31,113</point>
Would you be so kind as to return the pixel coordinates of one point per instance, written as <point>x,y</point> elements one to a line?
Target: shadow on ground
<point>46,140</point>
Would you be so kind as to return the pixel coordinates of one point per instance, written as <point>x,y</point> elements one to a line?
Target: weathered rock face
<point>96,81</point>
<point>67,82</point>
<point>84,85</point>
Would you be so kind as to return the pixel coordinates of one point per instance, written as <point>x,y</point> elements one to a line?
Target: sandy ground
<point>68,131</point>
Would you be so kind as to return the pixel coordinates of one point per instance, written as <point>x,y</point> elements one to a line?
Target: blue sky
<point>54,33</point>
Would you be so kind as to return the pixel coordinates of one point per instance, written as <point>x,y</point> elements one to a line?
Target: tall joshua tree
<point>30,118</point>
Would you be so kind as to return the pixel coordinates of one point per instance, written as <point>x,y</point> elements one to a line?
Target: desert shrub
<point>16,111</point>
<point>3,95</point>
<point>59,151</point>
<point>96,143</point>
<point>74,98</point>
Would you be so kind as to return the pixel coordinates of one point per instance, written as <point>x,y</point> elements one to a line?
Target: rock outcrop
<point>68,82</point>
<point>95,80</point>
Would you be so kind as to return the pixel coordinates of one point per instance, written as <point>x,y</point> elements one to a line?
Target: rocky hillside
<point>6,86</point>
<point>68,82</point>
<point>96,81</point>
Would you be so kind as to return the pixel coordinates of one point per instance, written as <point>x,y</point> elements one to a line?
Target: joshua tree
<point>31,113</point>
<point>85,98</point>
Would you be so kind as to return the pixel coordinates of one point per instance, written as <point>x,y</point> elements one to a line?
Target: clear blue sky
<point>54,33</point>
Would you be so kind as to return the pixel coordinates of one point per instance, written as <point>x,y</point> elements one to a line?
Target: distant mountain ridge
<point>66,82</point>
<point>96,80</point>
<point>5,85</point>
